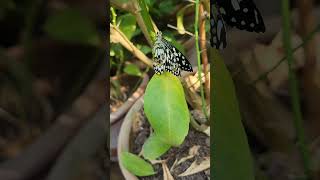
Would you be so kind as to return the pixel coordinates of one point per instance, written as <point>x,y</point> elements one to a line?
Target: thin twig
<point>202,31</point>
<point>29,28</point>
<point>176,28</point>
<point>298,123</point>
<point>117,36</point>
<point>196,25</point>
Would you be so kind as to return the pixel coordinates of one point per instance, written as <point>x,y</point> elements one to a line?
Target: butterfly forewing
<point>218,32</point>
<point>242,14</point>
<point>169,58</point>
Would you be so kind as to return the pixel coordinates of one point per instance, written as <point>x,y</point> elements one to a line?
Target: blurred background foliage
<point>52,52</point>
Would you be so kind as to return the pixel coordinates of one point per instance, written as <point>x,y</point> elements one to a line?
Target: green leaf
<point>145,49</point>
<point>136,165</point>
<point>229,145</point>
<point>71,26</point>
<point>166,7</point>
<point>147,19</point>
<point>116,50</point>
<point>132,69</point>
<point>127,25</point>
<point>154,147</point>
<point>166,108</point>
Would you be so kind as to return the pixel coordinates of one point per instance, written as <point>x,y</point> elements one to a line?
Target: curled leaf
<point>136,165</point>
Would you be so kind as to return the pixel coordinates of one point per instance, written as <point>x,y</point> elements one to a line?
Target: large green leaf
<point>166,108</point>
<point>136,165</point>
<point>231,158</point>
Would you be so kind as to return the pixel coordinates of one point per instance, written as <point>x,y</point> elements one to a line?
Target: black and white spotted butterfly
<point>242,14</point>
<point>168,58</point>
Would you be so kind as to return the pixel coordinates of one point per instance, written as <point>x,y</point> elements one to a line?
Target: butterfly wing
<point>177,60</point>
<point>242,14</point>
<point>218,32</point>
<point>169,58</point>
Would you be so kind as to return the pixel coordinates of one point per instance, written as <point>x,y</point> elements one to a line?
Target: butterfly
<point>168,58</point>
<point>242,14</point>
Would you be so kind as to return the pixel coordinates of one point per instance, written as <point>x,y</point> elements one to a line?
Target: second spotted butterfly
<point>168,58</point>
<point>242,14</point>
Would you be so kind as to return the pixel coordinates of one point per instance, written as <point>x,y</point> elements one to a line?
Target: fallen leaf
<point>166,172</point>
<point>207,131</point>
<point>192,152</point>
<point>195,168</point>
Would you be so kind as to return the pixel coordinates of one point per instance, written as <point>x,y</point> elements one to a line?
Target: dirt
<point>193,138</point>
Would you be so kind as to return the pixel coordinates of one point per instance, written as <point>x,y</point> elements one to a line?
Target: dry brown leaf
<point>192,152</point>
<point>195,168</point>
<point>166,172</point>
<point>157,161</point>
<point>207,131</point>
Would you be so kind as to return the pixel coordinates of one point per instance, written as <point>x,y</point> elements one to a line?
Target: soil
<point>141,133</point>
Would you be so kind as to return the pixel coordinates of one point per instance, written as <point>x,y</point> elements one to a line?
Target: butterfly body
<point>242,14</point>
<point>168,58</point>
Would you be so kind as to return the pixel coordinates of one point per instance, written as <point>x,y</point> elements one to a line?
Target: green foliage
<point>154,147</point>
<point>136,165</point>
<point>145,49</point>
<point>147,18</point>
<point>229,146</point>
<point>166,7</point>
<point>71,26</point>
<point>6,5</point>
<point>132,69</point>
<point>166,108</point>
<point>127,25</point>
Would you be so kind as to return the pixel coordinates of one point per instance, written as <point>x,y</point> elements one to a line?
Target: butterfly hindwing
<point>242,14</point>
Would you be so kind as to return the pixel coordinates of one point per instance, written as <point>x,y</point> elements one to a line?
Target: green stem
<point>114,16</point>
<point>298,123</point>
<point>196,24</point>
<point>29,28</point>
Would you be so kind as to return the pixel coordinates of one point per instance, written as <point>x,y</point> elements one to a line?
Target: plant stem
<point>30,22</point>
<point>202,31</point>
<point>196,24</point>
<point>114,16</point>
<point>117,36</point>
<point>298,123</point>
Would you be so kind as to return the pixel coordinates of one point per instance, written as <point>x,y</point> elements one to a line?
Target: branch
<point>116,36</point>
<point>204,55</point>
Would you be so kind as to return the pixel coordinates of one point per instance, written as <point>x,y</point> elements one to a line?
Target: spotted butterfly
<point>168,58</point>
<point>242,14</point>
